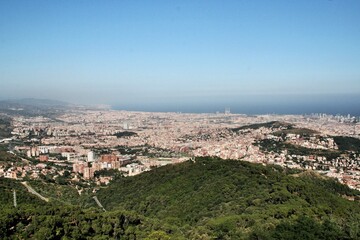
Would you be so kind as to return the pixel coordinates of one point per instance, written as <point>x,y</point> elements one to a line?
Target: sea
<point>328,104</point>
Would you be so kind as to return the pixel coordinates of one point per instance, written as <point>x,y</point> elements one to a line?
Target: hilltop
<point>223,199</point>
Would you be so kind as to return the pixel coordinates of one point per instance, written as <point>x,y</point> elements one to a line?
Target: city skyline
<point>181,55</point>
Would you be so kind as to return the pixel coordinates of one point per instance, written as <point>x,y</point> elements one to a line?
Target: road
<point>31,190</point>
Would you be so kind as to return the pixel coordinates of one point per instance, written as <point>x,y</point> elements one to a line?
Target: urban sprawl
<point>82,145</point>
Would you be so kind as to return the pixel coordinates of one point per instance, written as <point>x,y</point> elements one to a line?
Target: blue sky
<point>134,53</point>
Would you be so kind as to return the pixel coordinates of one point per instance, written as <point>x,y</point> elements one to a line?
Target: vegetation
<point>206,199</point>
<point>23,196</point>
<point>269,145</point>
<point>273,124</point>
<point>149,151</point>
<point>125,134</point>
<point>297,131</point>
<point>347,143</point>
<point>67,222</point>
<point>56,192</point>
<point>108,173</point>
<point>7,157</point>
<point>220,199</point>
<point>5,128</point>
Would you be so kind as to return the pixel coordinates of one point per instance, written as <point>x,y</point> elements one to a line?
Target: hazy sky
<point>178,52</point>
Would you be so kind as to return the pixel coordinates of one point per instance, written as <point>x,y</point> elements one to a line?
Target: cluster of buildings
<point>35,171</point>
<point>104,162</point>
<point>73,136</point>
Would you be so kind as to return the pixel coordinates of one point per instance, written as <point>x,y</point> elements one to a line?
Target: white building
<point>91,156</point>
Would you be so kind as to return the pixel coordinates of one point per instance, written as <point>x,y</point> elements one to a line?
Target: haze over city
<point>191,56</point>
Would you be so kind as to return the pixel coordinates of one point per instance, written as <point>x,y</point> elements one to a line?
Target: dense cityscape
<point>80,143</point>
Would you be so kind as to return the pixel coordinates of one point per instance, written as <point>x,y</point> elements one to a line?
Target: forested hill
<point>205,199</point>
<point>212,198</point>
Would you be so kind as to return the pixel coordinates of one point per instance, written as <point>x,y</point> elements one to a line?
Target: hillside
<point>273,125</point>
<point>205,199</point>
<point>348,143</point>
<point>23,196</point>
<point>238,200</point>
<point>34,218</point>
<point>5,128</point>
